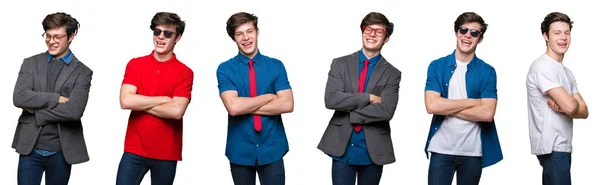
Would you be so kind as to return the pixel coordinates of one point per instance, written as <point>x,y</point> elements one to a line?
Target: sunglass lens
<point>168,34</point>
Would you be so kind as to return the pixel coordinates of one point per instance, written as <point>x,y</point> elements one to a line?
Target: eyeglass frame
<point>49,37</point>
<point>474,33</point>
<point>364,28</point>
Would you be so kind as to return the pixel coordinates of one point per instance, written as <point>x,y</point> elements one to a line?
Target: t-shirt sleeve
<point>131,76</point>
<point>184,85</point>
<point>225,83</point>
<point>282,83</point>
<point>546,78</point>
<point>433,82</point>
<point>490,90</point>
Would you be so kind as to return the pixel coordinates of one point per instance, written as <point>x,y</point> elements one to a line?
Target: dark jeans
<point>268,174</point>
<point>132,169</point>
<point>442,168</point>
<point>345,174</point>
<point>32,166</point>
<point>557,168</point>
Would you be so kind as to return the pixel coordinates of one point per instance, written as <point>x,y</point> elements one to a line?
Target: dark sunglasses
<point>474,32</point>
<point>167,33</point>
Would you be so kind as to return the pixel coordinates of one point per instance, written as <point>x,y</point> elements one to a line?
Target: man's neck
<point>163,57</point>
<point>559,58</point>
<point>369,53</point>
<point>464,57</point>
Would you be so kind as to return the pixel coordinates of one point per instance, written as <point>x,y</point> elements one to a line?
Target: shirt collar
<point>66,59</point>
<point>173,58</point>
<point>244,59</point>
<point>451,60</point>
<point>362,57</point>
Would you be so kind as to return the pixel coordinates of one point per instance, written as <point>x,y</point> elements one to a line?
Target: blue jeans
<point>557,168</point>
<point>442,168</point>
<point>268,174</point>
<point>345,174</point>
<point>32,166</point>
<point>132,169</point>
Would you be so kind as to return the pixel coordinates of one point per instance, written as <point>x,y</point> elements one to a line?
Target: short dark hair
<point>555,17</point>
<point>377,18</point>
<point>168,18</point>
<point>238,19</point>
<point>468,17</point>
<point>60,19</point>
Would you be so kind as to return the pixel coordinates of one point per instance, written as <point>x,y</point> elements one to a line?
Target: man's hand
<point>374,99</point>
<point>63,99</point>
<point>553,105</point>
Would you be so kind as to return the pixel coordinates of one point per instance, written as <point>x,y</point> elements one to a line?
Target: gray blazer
<point>73,82</point>
<point>352,107</point>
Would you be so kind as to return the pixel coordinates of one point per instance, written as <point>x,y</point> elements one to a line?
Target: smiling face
<point>245,36</point>
<point>373,37</point>
<point>558,38</point>
<point>58,41</point>
<point>466,43</point>
<point>162,43</point>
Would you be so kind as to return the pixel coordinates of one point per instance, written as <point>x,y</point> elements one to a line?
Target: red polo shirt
<point>148,135</point>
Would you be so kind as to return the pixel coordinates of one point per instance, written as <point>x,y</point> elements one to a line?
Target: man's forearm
<point>443,106</point>
<point>138,102</point>
<point>475,114</point>
<point>276,107</point>
<point>246,105</point>
<point>166,110</point>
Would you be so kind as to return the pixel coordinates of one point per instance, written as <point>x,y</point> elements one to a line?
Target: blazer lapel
<point>377,73</point>
<point>42,68</point>
<point>353,70</point>
<point>65,73</point>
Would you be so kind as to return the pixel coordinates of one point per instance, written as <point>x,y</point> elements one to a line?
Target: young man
<point>255,91</point>
<point>461,94</point>
<point>52,89</point>
<point>553,101</point>
<point>362,89</point>
<point>157,88</point>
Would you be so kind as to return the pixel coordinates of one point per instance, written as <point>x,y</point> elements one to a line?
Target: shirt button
<point>435,129</point>
<point>352,144</point>
<point>446,84</point>
<point>256,145</point>
<point>452,71</point>
<point>157,71</point>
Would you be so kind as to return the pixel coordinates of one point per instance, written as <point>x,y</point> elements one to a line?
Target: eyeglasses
<point>56,38</point>
<point>378,31</point>
<point>167,33</point>
<point>464,30</point>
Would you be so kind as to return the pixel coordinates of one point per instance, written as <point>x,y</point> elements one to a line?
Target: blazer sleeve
<point>383,111</point>
<point>24,96</point>
<point>73,109</point>
<point>335,96</point>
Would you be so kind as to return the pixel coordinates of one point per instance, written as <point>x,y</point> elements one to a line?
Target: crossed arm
<point>476,110</point>
<point>160,106</point>
<point>266,104</point>
<point>561,101</point>
<point>49,106</point>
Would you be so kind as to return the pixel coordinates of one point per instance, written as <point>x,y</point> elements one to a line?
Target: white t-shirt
<point>457,136</point>
<point>548,130</point>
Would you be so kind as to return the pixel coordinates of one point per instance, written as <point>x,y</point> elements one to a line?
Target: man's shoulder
<point>484,65</point>
<point>37,57</point>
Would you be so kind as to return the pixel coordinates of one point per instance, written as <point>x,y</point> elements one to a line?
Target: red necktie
<point>361,86</point>
<point>252,77</point>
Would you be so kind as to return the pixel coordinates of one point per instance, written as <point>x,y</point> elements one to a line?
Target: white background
<point>306,36</point>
